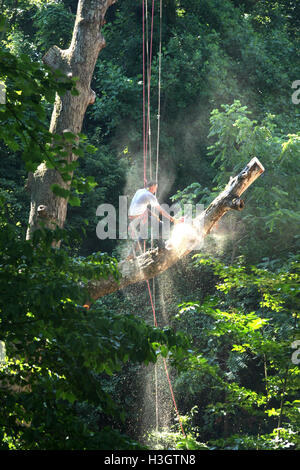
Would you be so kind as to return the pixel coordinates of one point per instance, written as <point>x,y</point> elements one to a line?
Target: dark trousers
<point>139,230</point>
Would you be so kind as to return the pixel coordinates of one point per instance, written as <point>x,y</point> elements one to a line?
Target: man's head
<point>152,186</point>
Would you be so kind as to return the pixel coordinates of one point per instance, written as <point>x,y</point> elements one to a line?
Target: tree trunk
<point>156,261</point>
<point>68,113</point>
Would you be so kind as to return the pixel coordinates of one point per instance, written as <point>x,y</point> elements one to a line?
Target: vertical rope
<point>149,64</point>
<point>173,397</point>
<point>144,99</point>
<point>148,78</point>
<point>146,136</point>
<point>165,364</point>
<point>155,369</point>
<point>159,89</point>
<point>156,399</point>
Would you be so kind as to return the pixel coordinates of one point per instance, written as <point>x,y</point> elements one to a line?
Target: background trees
<point>227,71</point>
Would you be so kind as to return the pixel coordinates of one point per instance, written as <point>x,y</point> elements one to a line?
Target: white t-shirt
<point>141,200</point>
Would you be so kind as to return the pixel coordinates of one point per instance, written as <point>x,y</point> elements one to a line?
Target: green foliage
<point>227,70</point>
<point>236,339</point>
<point>271,441</point>
<point>23,116</point>
<point>28,85</point>
<point>52,343</point>
<point>272,207</point>
<point>54,25</point>
<point>118,97</point>
<point>173,439</point>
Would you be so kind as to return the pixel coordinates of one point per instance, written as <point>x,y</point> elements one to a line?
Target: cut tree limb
<point>155,261</point>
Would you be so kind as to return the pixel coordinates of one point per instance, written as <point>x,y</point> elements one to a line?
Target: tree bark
<point>68,113</point>
<point>155,261</point>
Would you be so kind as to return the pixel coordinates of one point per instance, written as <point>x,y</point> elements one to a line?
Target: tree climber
<point>139,215</point>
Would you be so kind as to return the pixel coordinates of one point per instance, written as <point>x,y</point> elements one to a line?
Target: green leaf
<point>59,191</point>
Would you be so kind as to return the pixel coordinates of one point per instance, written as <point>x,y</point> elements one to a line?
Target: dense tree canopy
<point>228,315</point>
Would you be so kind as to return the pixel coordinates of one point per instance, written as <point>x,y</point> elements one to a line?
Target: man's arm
<point>165,214</point>
<point>155,204</point>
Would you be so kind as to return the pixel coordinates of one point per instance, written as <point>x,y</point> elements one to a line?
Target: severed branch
<point>155,261</point>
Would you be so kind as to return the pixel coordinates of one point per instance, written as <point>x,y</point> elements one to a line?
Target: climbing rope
<point>144,100</point>
<point>146,140</point>
<point>147,62</point>
<point>159,89</point>
<point>166,368</point>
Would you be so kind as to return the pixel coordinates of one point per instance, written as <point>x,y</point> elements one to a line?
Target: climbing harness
<point>147,149</point>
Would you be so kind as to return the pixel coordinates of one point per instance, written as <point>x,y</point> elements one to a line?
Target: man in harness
<point>139,214</point>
